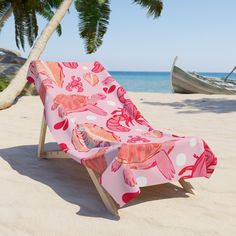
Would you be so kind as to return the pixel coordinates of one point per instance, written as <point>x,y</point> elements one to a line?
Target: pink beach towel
<point>95,122</point>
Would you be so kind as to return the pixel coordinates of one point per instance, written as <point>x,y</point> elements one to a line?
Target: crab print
<point>75,84</point>
<point>203,166</point>
<point>127,114</point>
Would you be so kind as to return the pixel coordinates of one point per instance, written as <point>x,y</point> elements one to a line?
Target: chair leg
<point>187,186</point>
<point>42,138</point>
<point>106,198</point>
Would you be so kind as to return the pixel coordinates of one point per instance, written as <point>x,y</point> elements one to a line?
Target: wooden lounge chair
<point>106,198</point>
<point>94,122</point>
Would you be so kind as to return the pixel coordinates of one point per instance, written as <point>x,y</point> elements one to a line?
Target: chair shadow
<point>214,105</point>
<point>158,192</point>
<point>72,183</point>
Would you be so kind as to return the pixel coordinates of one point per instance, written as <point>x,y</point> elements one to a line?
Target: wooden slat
<point>53,154</point>
<point>106,198</point>
<point>42,138</point>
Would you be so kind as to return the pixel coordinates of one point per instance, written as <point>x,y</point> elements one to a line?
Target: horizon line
<point>142,71</point>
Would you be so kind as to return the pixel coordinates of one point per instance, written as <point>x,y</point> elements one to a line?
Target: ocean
<point>152,81</point>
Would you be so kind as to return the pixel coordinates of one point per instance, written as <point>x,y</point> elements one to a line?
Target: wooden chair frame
<point>105,196</point>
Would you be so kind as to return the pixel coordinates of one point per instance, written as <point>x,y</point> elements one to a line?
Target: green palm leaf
<point>154,6</point>
<point>25,15</point>
<point>94,19</point>
<point>5,10</point>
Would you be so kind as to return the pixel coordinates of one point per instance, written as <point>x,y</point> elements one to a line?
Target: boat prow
<point>186,82</point>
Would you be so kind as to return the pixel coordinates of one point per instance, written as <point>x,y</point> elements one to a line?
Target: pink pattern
<point>64,147</point>
<point>71,65</point>
<point>97,67</point>
<point>108,80</point>
<point>128,113</point>
<point>75,84</point>
<point>135,139</point>
<point>77,103</point>
<point>91,78</point>
<point>109,89</point>
<point>95,122</point>
<point>203,166</point>
<point>62,125</point>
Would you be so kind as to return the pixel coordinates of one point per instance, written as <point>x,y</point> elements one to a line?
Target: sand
<point>56,197</point>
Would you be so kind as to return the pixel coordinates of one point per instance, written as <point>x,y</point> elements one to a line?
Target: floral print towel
<point>95,122</point>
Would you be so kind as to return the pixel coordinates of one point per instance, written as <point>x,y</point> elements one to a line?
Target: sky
<point>201,33</point>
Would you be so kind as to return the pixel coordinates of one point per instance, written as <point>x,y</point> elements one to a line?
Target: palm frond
<point>4,6</point>
<point>93,21</point>
<point>25,16</point>
<point>5,12</point>
<point>154,7</point>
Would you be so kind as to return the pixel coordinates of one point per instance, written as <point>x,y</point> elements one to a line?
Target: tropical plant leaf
<point>25,15</point>
<point>5,11</point>
<point>154,6</point>
<point>94,19</point>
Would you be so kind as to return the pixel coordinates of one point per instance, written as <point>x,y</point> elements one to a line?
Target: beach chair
<point>95,123</point>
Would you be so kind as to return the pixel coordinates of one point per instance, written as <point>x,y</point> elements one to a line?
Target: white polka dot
<point>85,68</point>
<point>139,130</point>
<point>141,181</point>
<point>192,142</point>
<point>180,159</point>
<point>111,103</point>
<point>91,117</point>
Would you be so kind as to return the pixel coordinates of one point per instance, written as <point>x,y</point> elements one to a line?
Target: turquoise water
<point>151,81</point>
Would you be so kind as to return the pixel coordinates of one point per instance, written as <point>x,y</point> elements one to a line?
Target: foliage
<point>25,16</point>
<point>3,83</point>
<point>154,6</point>
<point>94,18</point>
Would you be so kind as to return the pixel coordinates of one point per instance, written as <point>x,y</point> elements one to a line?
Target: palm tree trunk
<point>8,96</point>
<point>6,16</point>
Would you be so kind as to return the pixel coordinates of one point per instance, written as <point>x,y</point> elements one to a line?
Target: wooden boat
<point>191,82</point>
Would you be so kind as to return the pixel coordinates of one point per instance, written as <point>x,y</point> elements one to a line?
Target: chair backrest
<point>86,91</point>
<point>70,77</point>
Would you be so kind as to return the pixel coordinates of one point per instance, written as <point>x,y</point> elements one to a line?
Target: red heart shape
<point>128,196</point>
<point>64,147</point>
<point>59,125</point>
<point>63,124</point>
<point>109,90</point>
<point>105,90</point>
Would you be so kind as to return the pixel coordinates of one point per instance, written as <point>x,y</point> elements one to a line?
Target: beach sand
<point>56,197</point>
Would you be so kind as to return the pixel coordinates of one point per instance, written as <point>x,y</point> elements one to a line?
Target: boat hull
<point>184,82</point>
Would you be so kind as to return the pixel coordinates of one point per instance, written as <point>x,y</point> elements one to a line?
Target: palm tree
<point>94,19</point>
<point>5,13</point>
<point>25,15</point>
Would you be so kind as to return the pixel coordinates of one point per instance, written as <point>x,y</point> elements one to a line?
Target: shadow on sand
<point>214,105</point>
<point>72,183</point>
